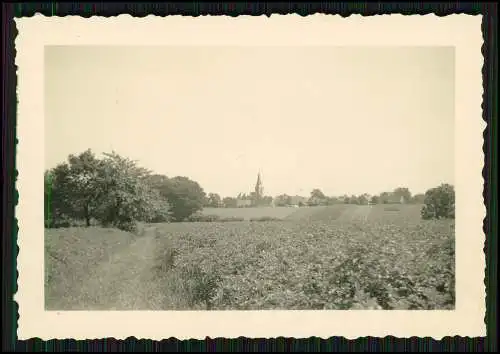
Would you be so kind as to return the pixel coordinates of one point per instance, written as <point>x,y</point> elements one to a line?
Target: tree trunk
<point>87,215</point>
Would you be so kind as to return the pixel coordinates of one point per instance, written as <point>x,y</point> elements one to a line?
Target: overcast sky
<point>345,120</point>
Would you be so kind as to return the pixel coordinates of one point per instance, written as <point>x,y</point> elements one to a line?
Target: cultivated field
<point>250,213</point>
<point>338,257</point>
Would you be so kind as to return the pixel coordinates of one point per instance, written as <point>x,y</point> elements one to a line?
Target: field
<point>249,213</point>
<point>339,257</point>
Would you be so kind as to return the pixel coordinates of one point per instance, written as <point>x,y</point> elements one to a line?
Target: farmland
<point>336,257</point>
<point>249,213</point>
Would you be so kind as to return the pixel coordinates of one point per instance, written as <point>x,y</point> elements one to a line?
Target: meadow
<point>337,257</point>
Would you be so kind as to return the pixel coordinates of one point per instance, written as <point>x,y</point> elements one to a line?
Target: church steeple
<point>259,189</point>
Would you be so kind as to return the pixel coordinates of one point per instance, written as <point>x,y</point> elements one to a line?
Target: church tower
<point>259,189</point>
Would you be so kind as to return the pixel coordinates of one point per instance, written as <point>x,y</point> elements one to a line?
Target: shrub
<point>439,203</point>
<point>127,225</point>
<point>59,224</point>
<point>160,219</point>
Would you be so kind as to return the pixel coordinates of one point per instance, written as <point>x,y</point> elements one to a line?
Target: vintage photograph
<point>233,177</point>
<point>255,177</point>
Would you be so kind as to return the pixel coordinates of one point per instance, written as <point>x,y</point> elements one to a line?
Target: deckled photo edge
<point>35,322</point>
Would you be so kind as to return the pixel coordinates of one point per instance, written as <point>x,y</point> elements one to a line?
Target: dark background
<point>140,9</point>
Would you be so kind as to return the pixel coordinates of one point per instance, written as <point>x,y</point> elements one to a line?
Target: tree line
<point>318,198</point>
<point>114,191</point>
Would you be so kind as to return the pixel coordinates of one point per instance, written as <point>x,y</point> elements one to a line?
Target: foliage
<point>283,200</point>
<point>160,208</point>
<point>329,258</point>
<point>401,194</point>
<point>362,199</point>
<point>72,189</point>
<point>229,202</point>
<point>113,191</point>
<point>48,199</point>
<point>185,196</point>
<point>126,196</point>
<point>266,200</point>
<point>388,262</point>
<point>385,197</point>
<point>249,213</point>
<point>214,200</point>
<point>244,196</point>
<point>317,197</point>
<point>418,198</point>
<point>353,199</point>
<point>439,203</point>
<point>200,286</point>
<point>331,201</point>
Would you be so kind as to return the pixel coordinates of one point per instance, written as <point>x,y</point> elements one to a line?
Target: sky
<point>346,120</point>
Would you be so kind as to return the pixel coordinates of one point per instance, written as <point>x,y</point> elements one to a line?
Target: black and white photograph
<point>254,178</point>
<point>221,178</point>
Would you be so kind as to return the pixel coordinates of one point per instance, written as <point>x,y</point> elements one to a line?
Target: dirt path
<point>126,281</point>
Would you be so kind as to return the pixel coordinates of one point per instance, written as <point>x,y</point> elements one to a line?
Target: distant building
<point>256,198</point>
<point>298,200</point>
<point>394,199</point>
<point>243,203</point>
<point>259,188</point>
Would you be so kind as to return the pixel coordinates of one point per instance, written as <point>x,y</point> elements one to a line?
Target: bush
<point>127,225</point>
<point>57,224</point>
<point>439,203</point>
<point>159,211</point>
<point>160,219</point>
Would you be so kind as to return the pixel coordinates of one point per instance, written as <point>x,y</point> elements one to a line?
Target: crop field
<point>339,257</point>
<point>249,213</point>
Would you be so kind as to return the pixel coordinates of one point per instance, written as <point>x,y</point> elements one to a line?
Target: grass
<point>338,257</point>
<point>73,255</point>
